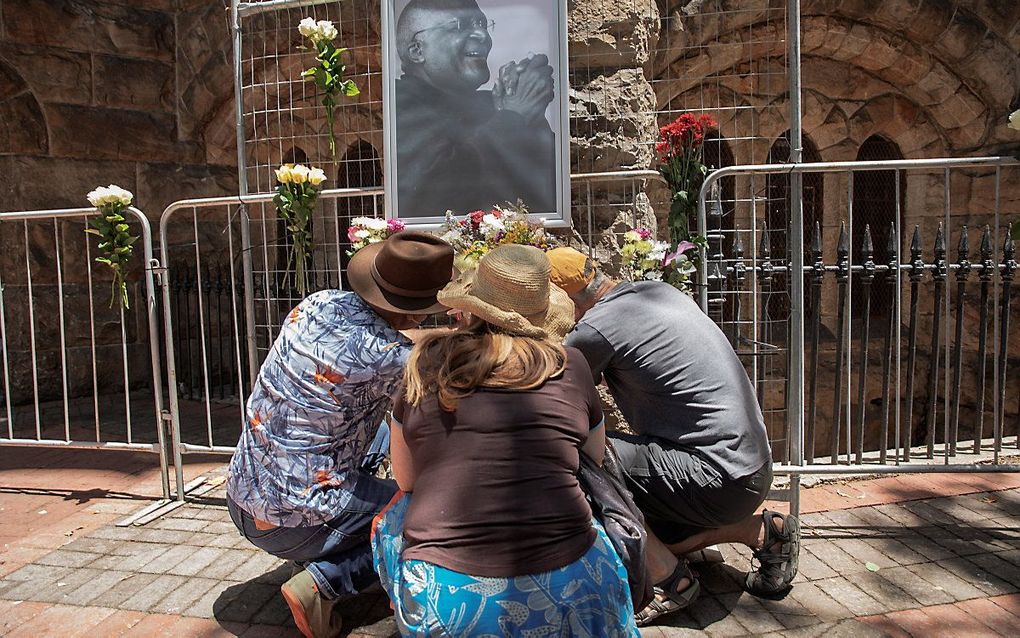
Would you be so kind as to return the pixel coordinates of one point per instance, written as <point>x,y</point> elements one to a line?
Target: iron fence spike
<point>963,265</point>
<point>986,244</point>
<point>893,249</point>
<point>766,244</point>
<point>843,245</point>
<point>816,242</point>
<point>915,244</point>
<point>867,245</point>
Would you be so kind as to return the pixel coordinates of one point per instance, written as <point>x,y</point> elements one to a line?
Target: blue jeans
<point>338,554</point>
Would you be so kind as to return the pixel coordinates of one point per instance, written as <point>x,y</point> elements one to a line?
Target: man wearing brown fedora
<point>301,485</point>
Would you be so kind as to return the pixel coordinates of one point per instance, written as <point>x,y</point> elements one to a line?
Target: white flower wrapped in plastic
<point>1014,120</point>
<point>364,231</point>
<point>116,244</point>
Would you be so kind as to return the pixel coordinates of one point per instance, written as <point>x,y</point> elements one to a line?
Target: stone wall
<point>98,91</point>
<point>94,92</point>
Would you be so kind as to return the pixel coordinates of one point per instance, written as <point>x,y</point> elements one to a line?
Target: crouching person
<point>302,484</point>
<point>700,465</point>
<point>497,538</point>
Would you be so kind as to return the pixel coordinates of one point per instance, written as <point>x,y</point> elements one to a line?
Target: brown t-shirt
<point>496,490</point>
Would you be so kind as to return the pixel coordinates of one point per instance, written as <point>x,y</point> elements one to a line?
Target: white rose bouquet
<point>116,243</point>
<point>296,195</point>
<point>328,74</point>
<point>370,230</point>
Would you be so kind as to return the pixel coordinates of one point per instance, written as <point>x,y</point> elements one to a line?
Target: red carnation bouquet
<point>680,148</point>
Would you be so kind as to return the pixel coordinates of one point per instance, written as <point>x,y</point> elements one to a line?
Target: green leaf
<point>351,89</point>
<point>93,231</point>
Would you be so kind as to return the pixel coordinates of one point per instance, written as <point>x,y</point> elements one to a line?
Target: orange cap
<point>571,270</point>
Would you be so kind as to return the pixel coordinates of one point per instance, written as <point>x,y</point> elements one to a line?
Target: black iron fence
<point>909,349</point>
<point>955,337</point>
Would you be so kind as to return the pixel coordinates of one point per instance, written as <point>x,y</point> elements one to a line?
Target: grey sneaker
<point>776,569</point>
<point>312,613</point>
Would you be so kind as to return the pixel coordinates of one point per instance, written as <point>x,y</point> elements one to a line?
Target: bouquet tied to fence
<point>645,259</point>
<point>328,73</point>
<point>296,194</point>
<point>364,231</point>
<point>116,244</point>
<point>680,148</point>
<point>479,232</point>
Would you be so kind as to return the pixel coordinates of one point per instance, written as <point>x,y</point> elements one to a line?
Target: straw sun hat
<point>511,290</point>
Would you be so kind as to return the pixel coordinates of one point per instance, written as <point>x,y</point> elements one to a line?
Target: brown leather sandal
<point>667,599</point>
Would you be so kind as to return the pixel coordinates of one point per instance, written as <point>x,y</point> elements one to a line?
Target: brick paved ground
<point>901,556</point>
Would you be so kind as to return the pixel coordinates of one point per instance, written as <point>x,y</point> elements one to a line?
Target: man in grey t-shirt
<point>700,465</point>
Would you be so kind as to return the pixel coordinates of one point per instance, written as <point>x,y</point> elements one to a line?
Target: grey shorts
<point>681,493</point>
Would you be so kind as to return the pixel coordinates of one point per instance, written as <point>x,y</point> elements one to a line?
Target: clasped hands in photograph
<point>525,87</point>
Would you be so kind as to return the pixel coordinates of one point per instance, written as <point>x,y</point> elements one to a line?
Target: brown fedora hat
<point>403,273</point>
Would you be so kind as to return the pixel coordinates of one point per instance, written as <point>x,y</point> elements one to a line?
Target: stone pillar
<point>612,115</point>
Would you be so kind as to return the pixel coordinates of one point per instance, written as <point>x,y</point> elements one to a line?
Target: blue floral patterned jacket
<point>315,408</point>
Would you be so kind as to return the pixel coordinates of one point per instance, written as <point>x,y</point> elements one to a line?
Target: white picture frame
<point>525,26</point>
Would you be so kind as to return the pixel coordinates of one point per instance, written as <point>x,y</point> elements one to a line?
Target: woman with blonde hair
<point>497,538</point>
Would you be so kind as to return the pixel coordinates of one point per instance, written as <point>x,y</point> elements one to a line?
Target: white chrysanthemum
<point>376,224</point>
<point>658,251</point>
<point>107,195</point>
<point>362,234</point>
<point>98,196</point>
<point>361,221</point>
<point>653,275</point>
<point>491,225</point>
<point>1014,120</point>
<point>327,32</point>
<point>120,195</point>
<point>631,235</point>
<point>308,27</point>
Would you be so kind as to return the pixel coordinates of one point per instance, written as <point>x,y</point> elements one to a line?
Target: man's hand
<point>525,88</point>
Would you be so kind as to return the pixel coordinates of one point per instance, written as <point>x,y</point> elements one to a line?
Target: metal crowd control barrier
<point>222,307</point>
<point>857,271</point>
<point>58,409</point>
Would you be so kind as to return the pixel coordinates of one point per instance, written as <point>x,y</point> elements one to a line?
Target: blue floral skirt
<point>586,598</point>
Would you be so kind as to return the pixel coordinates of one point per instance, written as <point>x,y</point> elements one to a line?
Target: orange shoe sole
<point>297,611</point>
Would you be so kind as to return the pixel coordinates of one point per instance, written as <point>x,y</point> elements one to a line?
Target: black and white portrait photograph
<point>475,108</point>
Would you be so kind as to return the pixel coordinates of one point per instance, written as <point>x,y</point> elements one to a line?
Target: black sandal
<point>667,599</point>
<point>776,570</point>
